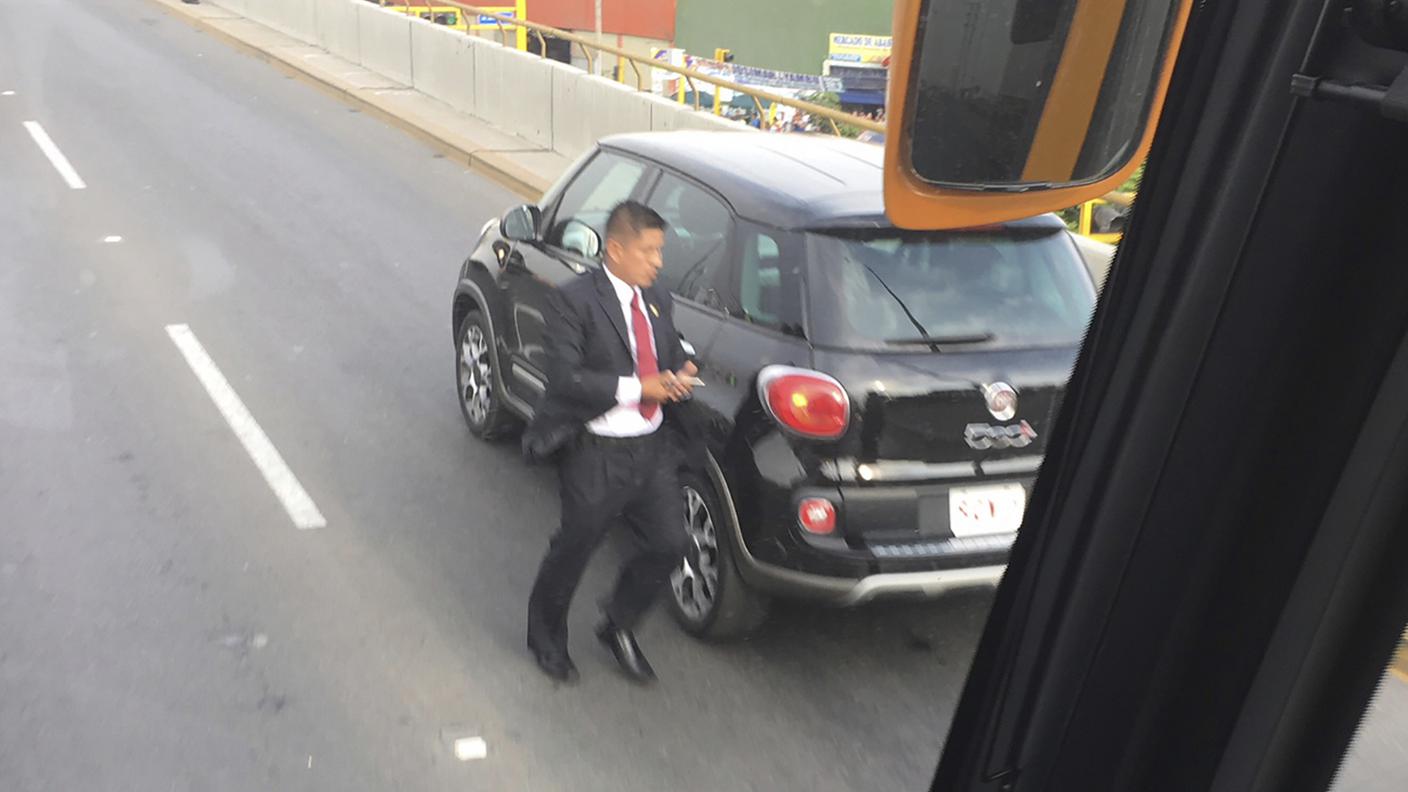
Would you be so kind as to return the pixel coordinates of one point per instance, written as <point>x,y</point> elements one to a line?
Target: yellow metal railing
<point>448,16</point>
<point>439,13</point>
<point>1085,223</point>
<point>592,49</point>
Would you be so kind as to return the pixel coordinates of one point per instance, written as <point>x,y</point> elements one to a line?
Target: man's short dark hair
<point>629,218</point>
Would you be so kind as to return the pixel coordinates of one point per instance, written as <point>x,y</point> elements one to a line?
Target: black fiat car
<point>876,401</point>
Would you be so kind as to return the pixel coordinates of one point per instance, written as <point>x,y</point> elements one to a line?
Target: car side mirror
<point>520,224</point>
<point>581,238</point>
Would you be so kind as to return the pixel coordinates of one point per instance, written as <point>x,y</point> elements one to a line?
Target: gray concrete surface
<point>539,101</point>
<point>1377,760</point>
<point>1098,257</point>
<point>164,625</point>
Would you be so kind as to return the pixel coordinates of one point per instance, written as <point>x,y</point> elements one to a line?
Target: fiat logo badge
<point>1002,400</point>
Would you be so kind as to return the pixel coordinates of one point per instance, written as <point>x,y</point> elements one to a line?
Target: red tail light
<point>808,403</point>
<point>817,515</point>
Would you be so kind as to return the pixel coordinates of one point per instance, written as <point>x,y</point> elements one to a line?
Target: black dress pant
<point>606,482</point>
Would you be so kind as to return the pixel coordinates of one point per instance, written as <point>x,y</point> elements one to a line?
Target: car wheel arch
<point>736,544</point>
<point>470,296</point>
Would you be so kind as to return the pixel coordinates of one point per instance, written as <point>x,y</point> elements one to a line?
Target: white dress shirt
<point>625,420</point>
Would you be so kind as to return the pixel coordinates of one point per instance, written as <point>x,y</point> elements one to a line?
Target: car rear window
<point>886,288</point>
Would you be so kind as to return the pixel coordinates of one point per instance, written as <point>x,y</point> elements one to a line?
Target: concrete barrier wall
<point>547,103</point>
<point>586,108</point>
<point>384,38</point>
<point>240,7</point>
<point>667,115</point>
<point>290,17</point>
<point>265,12</point>
<point>338,28</point>
<point>1098,257</point>
<point>442,65</point>
<point>513,91</point>
<point>299,18</point>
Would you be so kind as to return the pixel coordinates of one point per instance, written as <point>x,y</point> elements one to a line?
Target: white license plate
<point>975,511</point>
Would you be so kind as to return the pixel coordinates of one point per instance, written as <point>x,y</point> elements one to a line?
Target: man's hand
<point>668,386</point>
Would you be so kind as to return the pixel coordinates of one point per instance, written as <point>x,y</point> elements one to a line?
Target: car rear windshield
<point>891,289</point>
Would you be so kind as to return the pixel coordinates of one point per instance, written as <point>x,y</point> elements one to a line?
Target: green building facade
<point>786,35</point>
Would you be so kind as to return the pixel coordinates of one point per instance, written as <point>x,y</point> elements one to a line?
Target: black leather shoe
<point>624,648</point>
<point>556,664</point>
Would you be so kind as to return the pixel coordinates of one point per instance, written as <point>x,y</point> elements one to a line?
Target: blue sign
<point>766,78</point>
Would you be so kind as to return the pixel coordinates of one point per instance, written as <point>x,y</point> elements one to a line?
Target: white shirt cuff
<point>628,391</point>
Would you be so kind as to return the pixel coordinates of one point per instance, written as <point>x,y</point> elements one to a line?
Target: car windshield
<point>1002,288</point>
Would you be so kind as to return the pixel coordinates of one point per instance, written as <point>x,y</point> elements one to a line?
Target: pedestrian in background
<point>616,370</point>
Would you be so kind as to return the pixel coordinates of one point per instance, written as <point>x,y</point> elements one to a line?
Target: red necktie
<point>646,365</point>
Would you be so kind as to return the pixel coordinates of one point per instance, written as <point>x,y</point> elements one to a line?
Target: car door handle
<point>688,347</point>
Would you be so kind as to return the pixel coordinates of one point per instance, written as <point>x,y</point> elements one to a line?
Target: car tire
<point>708,596</point>
<point>476,379</point>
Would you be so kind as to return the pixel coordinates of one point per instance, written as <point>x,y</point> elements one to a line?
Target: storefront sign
<point>483,22</point>
<point>857,48</point>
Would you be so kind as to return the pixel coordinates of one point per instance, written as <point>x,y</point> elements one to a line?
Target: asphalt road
<point>167,627</point>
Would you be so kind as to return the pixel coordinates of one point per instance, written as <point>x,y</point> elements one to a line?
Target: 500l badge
<point>983,437</point>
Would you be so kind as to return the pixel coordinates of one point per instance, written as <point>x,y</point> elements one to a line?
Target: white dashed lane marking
<point>56,157</point>
<point>266,457</point>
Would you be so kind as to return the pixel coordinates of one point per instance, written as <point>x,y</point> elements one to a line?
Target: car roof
<point>782,180</point>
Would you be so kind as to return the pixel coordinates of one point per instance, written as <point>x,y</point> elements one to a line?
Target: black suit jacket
<point>588,353</point>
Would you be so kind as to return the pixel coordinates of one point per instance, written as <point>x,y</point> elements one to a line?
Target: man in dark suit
<point>616,369</point>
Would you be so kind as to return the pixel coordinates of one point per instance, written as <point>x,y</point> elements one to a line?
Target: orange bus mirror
<point>1004,109</point>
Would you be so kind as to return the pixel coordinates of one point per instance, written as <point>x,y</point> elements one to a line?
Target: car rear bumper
<point>846,592</point>
<point>832,571</point>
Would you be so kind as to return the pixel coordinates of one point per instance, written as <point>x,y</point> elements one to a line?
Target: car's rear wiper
<point>942,341</point>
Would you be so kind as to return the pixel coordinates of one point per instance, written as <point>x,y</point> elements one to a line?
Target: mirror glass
<point>520,224</point>
<point>582,238</point>
<point>1024,94</point>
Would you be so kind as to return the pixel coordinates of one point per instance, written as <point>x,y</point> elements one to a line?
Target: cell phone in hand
<point>694,382</point>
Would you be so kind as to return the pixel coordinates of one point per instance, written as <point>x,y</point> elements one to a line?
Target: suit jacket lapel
<point>658,329</point>
<point>612,306</point>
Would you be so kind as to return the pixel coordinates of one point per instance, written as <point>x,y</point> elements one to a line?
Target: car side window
<point>769,280</point>
<point>587,202</point>
<point>696,243</point>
